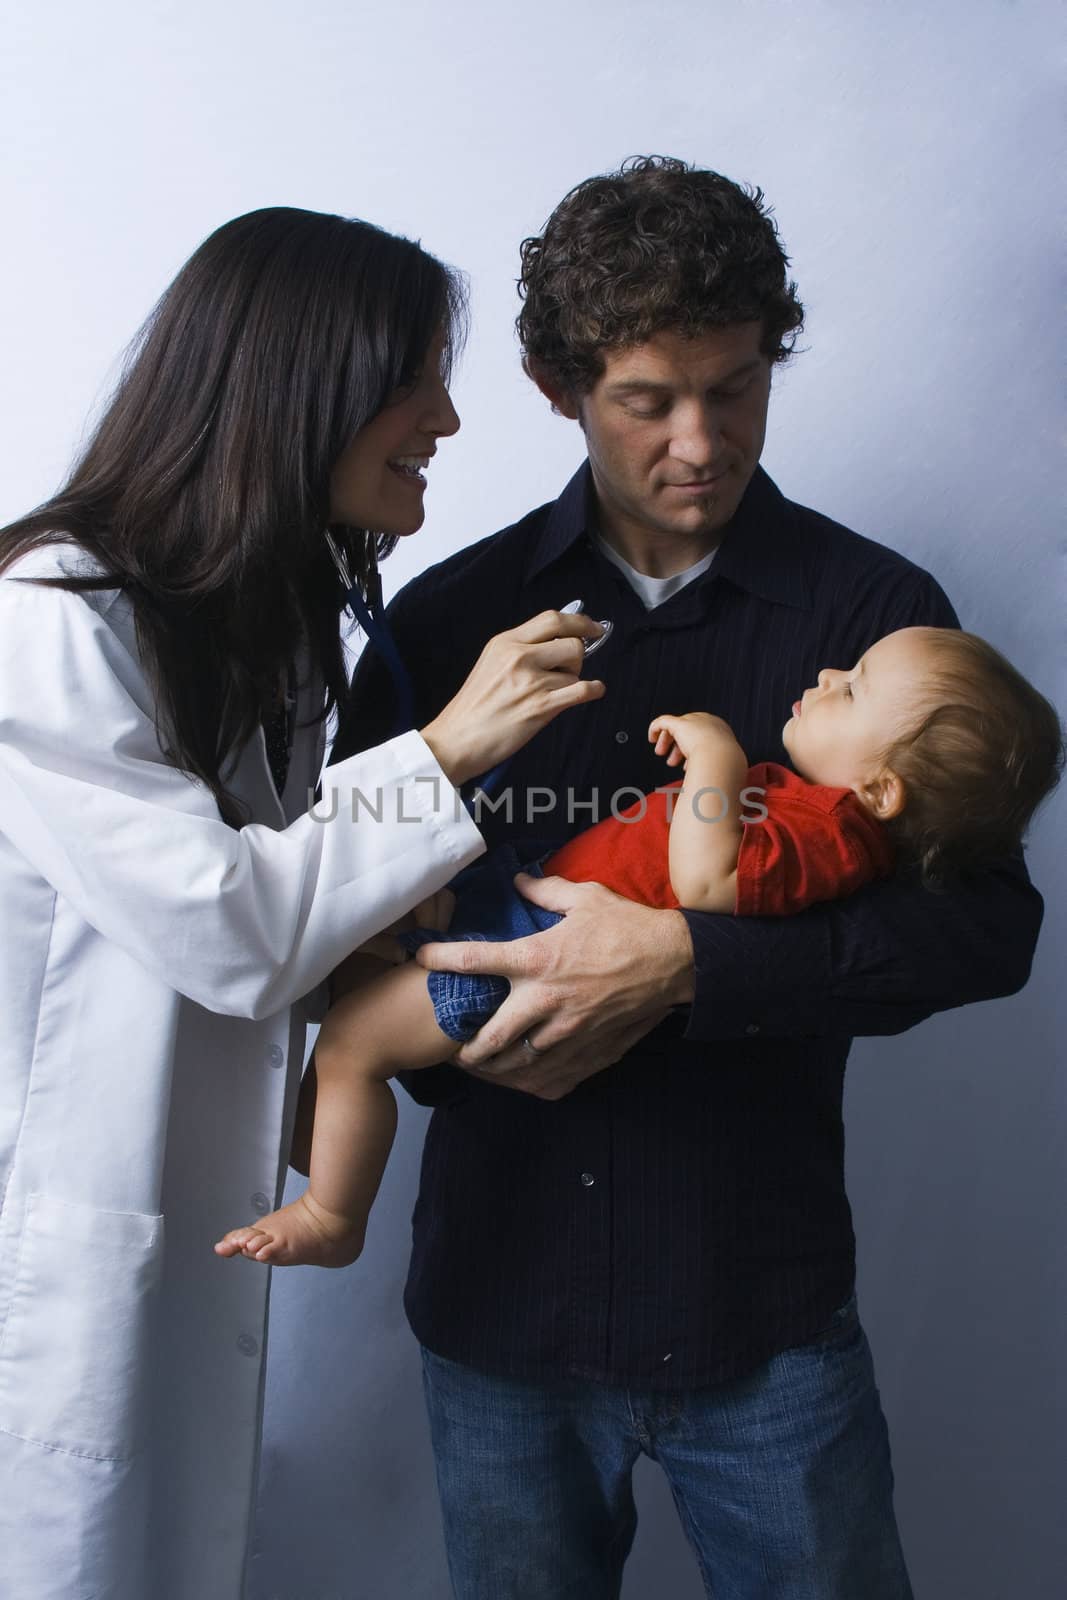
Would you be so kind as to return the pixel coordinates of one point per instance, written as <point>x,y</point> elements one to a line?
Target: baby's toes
<point>234,1242</point>
<point>253,1243</point>
<point>265,1248</point>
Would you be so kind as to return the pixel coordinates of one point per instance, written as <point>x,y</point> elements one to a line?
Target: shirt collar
<point>762,550</point>
<point>567,522</point>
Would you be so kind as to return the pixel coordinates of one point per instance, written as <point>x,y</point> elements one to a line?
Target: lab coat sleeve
<point>243,922</point>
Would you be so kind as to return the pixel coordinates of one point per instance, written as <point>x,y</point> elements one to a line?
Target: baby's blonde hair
<point>978,764</point>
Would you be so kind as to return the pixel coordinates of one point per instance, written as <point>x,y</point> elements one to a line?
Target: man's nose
<point>697,437</point>
<point>825,678</point>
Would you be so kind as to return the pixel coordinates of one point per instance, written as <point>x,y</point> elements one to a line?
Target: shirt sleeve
<point>368,717</point>
<point>812,844</point>
<point>880,960</point>
<point>244,922</point>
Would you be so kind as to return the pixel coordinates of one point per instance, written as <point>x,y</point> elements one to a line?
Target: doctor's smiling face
<point>378,481</point>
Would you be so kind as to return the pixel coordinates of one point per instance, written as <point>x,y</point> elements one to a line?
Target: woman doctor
<point>170,649</point>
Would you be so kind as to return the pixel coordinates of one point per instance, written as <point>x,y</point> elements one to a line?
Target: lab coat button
<point>588,1180</point>
<point>247,1345</point>
<point>260,1204</point>
<point>276,1056</point>
<point>621,737</point>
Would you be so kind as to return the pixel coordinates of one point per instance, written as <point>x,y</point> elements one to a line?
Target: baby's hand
<point>679,738</point>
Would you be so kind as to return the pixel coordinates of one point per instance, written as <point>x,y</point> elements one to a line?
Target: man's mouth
<point>797,708</point>
<point>410,468</point>
<point>699,483</point>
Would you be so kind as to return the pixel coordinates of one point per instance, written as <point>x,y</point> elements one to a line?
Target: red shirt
<point>814,844</point>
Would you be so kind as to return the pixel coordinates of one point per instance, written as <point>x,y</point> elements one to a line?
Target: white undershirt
<point>653,591</point>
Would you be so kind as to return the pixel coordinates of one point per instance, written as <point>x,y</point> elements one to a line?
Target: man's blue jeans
<point>781,1478</point>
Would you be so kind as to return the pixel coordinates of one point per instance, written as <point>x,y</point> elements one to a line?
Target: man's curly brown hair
<point>656,245</point>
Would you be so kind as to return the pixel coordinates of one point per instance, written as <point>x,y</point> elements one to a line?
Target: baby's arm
<point>706,825</point>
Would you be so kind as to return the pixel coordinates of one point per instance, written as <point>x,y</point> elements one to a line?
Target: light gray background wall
<point>909,151</point>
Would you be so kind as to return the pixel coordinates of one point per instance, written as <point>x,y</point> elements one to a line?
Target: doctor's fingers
<point>578,692</point>
<point>555,625</point>
<point>557,655</point>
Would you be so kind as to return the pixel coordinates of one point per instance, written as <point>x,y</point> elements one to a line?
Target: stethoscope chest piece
<point>591,646</point>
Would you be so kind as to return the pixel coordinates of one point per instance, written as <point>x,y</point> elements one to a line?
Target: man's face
<point>674,429</point>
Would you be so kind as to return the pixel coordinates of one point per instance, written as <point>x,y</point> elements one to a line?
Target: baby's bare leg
<point>355,971</point>
<point>384,1027</point>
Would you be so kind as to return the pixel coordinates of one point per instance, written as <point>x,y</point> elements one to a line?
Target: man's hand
<point>583,992</point>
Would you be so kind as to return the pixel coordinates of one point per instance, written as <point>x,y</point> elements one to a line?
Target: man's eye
<point>647,410</point>
<point>731,394</point>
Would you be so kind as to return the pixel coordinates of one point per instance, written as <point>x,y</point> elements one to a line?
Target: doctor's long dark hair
<point>205,489</point>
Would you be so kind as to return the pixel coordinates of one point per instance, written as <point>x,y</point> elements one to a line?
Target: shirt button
<point>588,1180</point>
<point>751,1027</point>
<point>276,1056</point>
<point>247,1345</point>
<point>621,737</point>
<point>260,1203</point>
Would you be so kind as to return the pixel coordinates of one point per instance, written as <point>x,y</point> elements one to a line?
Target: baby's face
<point>840,729</point>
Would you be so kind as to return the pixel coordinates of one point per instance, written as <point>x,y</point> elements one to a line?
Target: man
<point>632,1233</point>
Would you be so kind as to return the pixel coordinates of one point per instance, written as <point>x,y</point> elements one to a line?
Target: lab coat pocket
<point>75,1350</point>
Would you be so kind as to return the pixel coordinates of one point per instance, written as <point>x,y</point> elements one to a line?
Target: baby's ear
<point>884,796</point>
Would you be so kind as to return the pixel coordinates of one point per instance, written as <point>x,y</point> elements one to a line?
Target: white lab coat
<point>152,967</point>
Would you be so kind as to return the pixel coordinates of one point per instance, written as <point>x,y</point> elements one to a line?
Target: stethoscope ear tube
<point>372,620</point>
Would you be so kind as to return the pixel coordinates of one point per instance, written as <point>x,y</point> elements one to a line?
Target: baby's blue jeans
<point>487,907</point>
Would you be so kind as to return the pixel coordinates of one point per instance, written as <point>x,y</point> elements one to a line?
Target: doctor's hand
<point>582,993</point>
<point>522,679</point>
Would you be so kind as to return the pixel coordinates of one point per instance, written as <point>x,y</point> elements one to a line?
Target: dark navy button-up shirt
<point>681,1216</point>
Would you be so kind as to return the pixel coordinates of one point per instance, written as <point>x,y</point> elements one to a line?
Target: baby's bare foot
<point>303,1234</point>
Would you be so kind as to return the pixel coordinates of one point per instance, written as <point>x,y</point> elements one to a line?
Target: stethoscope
<point>369,613</point>
<point>371,618</point>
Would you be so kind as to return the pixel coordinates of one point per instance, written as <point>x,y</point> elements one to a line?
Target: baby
<point>932,754</point>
